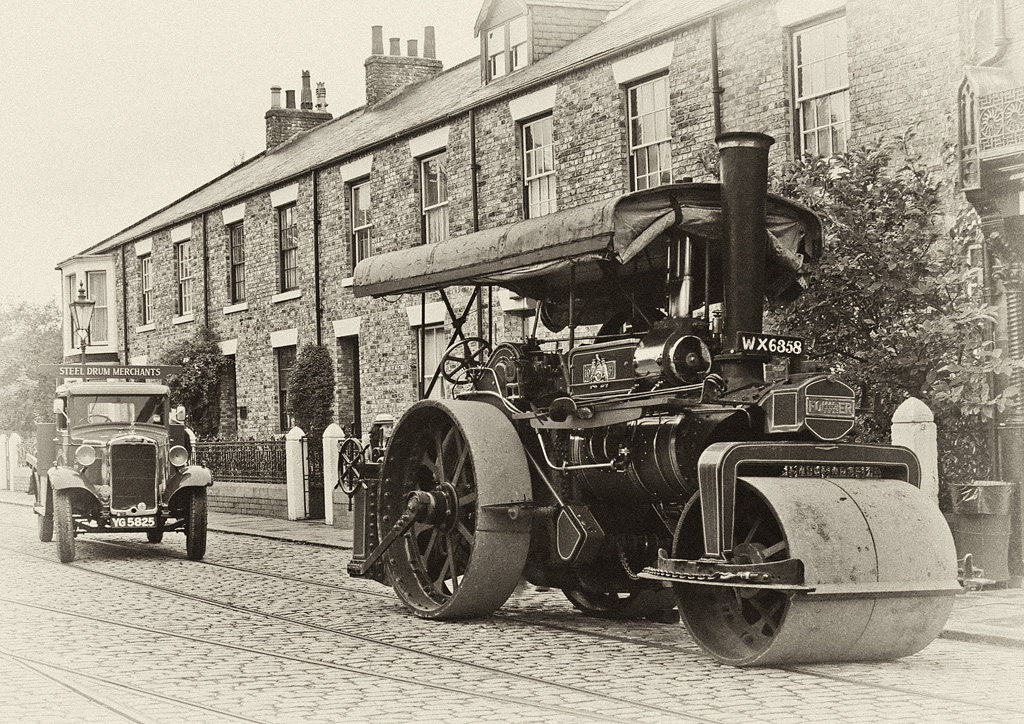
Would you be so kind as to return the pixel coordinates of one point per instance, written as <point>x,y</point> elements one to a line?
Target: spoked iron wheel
<point>459,462</point>
<point>866,546</point>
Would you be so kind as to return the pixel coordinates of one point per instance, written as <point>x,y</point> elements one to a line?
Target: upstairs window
<point>96,290</point>
<point>434,193</point>
<point>146,300</point>
<point>507,48</point>
<point>539,167</point>
<point>237,259</point>
<point>650,145</point>
<point>362,224</point>
<point>288,245</point>
<point>822,85</point>
<point>183,271</point>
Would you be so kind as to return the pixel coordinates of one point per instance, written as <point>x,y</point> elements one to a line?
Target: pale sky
<point>114,108</point>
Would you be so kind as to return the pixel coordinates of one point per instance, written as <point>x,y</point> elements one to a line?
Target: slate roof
<point>430,103</point>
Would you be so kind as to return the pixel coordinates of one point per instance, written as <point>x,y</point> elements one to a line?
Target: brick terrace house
<point>569,101</point>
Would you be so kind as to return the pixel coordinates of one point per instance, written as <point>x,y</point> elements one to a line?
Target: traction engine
<point>643,464</point>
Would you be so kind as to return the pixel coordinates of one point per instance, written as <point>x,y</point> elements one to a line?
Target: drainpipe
<point>206,275</point>
<point>124,303</point>
<point>716,88</point>
<point>999,32</point>
<point>318,312</point>
<point>474,170</point>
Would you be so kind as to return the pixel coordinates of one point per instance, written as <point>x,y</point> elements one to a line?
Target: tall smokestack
<point>743,157</point>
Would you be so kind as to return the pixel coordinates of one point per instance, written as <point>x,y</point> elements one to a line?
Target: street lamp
<point>81,316</point>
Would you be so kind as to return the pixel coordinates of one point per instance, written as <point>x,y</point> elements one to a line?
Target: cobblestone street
<point>271,631</point>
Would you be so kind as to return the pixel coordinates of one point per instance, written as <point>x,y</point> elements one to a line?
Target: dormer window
<point>507,48</point>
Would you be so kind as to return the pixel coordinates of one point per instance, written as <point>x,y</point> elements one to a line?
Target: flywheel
<point>877,553</point>
<point>463,464</point>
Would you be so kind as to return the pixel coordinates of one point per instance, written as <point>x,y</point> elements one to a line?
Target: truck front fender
<point>191,476</point>
<point>65,478</point>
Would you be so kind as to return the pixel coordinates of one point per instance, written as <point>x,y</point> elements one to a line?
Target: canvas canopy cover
<point>616,236</point>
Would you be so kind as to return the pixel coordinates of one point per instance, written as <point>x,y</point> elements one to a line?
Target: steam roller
<point>644,461</point>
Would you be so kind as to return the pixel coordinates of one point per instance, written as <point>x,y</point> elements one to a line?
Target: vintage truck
<point>116,459</point>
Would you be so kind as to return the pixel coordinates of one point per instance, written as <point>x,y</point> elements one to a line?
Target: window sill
<point>235,308</point>
<point>184,318</point>
<point>347,282</point>
<point>286,296</point>
<point>145,327</point>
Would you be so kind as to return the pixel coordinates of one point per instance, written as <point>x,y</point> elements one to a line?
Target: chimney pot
<point>275,96</point>
<point>321,97</point>
<point>307,93</point>
<point>413,49</point>
<point>396,46</point>
<point>428,42</point>
<point>377,41</point>
<point>289,99</point>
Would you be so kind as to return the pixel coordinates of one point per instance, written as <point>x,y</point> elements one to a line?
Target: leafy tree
<point>30,335</point>
<point>894,303</point>
<point>198,385</point>
<point>311,388</point>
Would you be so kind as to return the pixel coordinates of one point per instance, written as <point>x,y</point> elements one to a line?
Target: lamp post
<point>81,316</point>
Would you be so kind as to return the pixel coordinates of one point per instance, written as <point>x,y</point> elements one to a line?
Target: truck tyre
<point>195,525</point>
<point>65,526</point>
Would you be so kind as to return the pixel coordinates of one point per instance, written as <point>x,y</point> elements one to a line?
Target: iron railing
<point>258,461</point>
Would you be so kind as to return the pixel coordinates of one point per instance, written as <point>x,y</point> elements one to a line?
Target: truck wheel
<point>195,525</point>
<point>45,522</point>
<point>154,536</point>
<point>466,555</point>
<point>65,526</point>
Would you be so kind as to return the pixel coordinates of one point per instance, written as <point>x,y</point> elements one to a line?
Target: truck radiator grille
<point>132,476</point>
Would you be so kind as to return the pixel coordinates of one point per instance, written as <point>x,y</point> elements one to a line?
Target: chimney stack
<point>428,42</point>
<point>307,92</point>
<point>389,74</point>
<point>283,124</point>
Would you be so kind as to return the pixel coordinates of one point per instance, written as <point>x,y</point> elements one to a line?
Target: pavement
<point>991,615</point>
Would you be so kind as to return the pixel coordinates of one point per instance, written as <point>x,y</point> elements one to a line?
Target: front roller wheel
<point>877,552</point>
<point>465,555</point>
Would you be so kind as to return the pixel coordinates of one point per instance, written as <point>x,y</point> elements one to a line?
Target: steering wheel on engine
<point>462,361</point>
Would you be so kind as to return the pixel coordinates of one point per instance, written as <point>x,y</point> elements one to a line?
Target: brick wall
<point>386,74</point>
<point>283,124</point>
<point>249,499</point>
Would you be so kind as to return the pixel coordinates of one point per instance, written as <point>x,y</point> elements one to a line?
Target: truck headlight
<point>85,455</point>
<point>177,456</point>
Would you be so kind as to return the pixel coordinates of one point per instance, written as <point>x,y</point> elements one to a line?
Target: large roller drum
<point>877,553</point>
